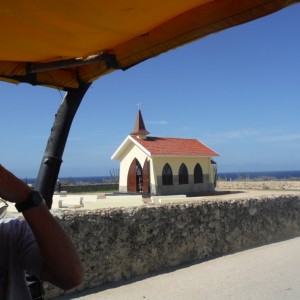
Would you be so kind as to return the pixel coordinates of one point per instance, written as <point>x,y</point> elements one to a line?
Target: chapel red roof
<point>174,146</point>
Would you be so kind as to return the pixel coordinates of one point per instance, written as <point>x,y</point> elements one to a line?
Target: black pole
<point>50,165</point>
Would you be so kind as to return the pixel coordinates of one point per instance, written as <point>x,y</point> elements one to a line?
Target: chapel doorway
<point>138,177</point>
<point>146,176</point>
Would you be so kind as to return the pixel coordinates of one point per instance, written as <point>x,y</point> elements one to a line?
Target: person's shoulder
<point>12,221</point>
<point>12,224</point>
<point>15,231</point>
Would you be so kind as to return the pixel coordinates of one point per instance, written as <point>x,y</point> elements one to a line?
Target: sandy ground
<point>278,185</point>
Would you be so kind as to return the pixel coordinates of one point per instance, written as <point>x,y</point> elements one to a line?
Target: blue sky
<point>237,91</point>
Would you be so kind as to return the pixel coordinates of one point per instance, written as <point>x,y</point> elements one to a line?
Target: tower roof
<point>139,127</point>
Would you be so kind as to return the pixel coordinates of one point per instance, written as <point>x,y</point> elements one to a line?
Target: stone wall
<point>79,188</point>
<point>116,244</point>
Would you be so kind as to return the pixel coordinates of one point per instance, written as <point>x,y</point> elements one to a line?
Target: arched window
<point>183,174</point>
<point>198,174</point>
<point>167,175</point>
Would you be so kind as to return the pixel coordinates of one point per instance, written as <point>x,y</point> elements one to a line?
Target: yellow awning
<point>62,43</point>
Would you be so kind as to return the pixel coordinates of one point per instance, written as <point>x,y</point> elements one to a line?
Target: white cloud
<point>257,135</point>
<point>162,122</point>
<point>239,134</point>
<point>284,137</point>
<point>220,137</point>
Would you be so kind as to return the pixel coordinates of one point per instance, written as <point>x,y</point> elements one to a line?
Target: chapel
<point>163,165</point>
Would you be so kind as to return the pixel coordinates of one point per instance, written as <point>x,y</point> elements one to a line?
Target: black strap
<point>35,286</point>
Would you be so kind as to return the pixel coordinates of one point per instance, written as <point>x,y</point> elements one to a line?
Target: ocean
<point>77,180</point>
<point>224,176</point>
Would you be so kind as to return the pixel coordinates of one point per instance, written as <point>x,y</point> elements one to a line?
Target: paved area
<point>270,272</point>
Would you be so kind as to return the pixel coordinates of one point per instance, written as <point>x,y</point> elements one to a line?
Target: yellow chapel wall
<point>175,163</point>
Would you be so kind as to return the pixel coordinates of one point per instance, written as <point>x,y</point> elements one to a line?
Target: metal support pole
<point>50,165</point>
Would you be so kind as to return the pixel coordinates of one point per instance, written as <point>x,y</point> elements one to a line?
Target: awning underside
<point>63,43</point>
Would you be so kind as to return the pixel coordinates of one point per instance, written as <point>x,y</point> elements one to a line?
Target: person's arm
<point>62,264</point>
